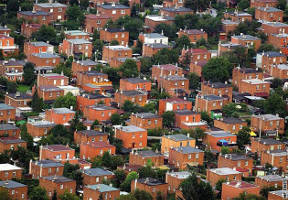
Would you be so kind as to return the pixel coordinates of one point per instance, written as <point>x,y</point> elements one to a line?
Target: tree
<point>46,33</point>
<point>192,189</point>
<point>11,87</point>
<point>28,73</point>
<point>66,101</point>
<point>38,193</point>
<point>75,17</point>
<point>115,119</point>
<point>36,103</point>
<point>266,47</point>
<point>84,4</point>
<point>275,105</point>
<point>276,83</point>
<point>68,196</point>
<point>129,69</point>
<point>224,150</point>
<point>194,81</point>
<point>182,42</point>
<point>243,4</point>
<point>217,70</point>
<point>54,197</point>
<point>73,172</point>
<point>4,194</point>
<point>282,4</point>
<point>57,135</point>
<point>167,30</point>
<point>243,137</point>
<point>168,119</point>
<point>244,196</point>
<point>62,68</point>
<point>265,190</point>
<point>126,184</point>
<point>128,106</point>
<point>219,186</point>
<point>119,177</point>
<point>165,56</point>
<point>126,197</point>
<point>142,195</point>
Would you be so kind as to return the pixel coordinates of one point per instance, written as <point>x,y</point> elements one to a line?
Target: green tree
<point>115,119</point>
<point>244,196</point>
<point>194,81</point>
<point>275,105</point>
<point>84,4</point>
<point>106,159</point>
<point>219,186</point>
<point>243,4</point>
<point>167,30</point>
<point>38,193</point>
<point>75,17</point>
<point>37,103</point>
<point>4,194</point>
<point>119,177</point>
<point>243,137</point>
<point>276,83</point>
<point>168,119</point>
<point>59,134</point>
<point>68,196</point>
<point>28,73</point>
<point>182,42</point>
<point>129,69</point>
<point>66,101</point>
<point>165,56</point>
<point>146,65</point>
<point>73,172</point>
<point>54,197</point>
<point>126,184</point>
<point>282,4</point>
<point>225,150</point>
<point>62,68</point>
<point>265,190</point>
<point>46,33</point>
<point>11,87</point>
<point>128,106</point>
<point>126,197</point>
<point>266,47</point>
<point>217,70</point>
<point>142,195</point>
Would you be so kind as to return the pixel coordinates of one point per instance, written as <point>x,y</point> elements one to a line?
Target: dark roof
<point>216,84</point>
<point>19,96</point>
<point>179,9</point>
<point>148,153</point>
<point>58,179</point>
<point>93,96</point>
<point>150,181</point>
<point>4,106</point>
<point>11,140</point>
<point>235,156</point>
<point>185,112</point>
<point>12,62</point>
<point>273,54</point>
<point>187,150</point>
<point>34,13</point>
<point>11,184</point>
<point>212,97</point>
<point>48,163</point>
<point>93,73</point>
<point>249,70</point>
<point>97,172</point>
<point>91,133</point>
<point>135,80</point>
<point>113,6</point>
<point>147,115</point>
<point>132,93</point>
<point>115,30</point>
<point>268,141</point>
<point>178,137</point>
<point>231,120</point>
<point>8,127</point>
<point>57,147</point>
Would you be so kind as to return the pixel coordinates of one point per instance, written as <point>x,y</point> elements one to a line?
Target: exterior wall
<point>206,89</point>
<point>7,115</point>
<point>158,71</point>
<point>92,180</point>
<point>38,171</point>
<point>58,118</point>
<point>258,123</point>
<point>136,159</point>
<point>49,95</point>
<point>213,178</point>
<point>276,161</point>
<point>95,22</point>
<point>230,192</point>
<point>82,102</point>
<point>268,16</point>
<point>173,183</point>
<point>152,24</point>
<point>151,123</point>
<point>132,140</point>
<point>237,76</point>
<point>232,128</point>
<point>28,29</point>
<point>44,61</point>
<point>109,12</point>
<point>126,85</point>
<point>58,13</point>
<point>167,143</point>
<point>39,19</point>
<point>153,190</point>
<point>10,133</point>
<point>10,174</point>
<point>64,155</point>
<point>193,37</point>
<point>95,194</point>
<point>6,147</point>
<point>16,102</point>
<point>122,37</point>
<point>100,115</point>
<point>251,43</point>
<point>37,131</point>
<point>70,49</point>
<point>110,54</point>
<point>260,148</point>
<point>18,193</point>
<point>243,164</point>
<point>181,160</point>
<point>89,151</point>
<point>137,99</point>
<point>280,42</point>
<point>212,141</point>
<point>203,105</point>
<point>164,105</point>
<point>260,3</point>
<point>84,78</point>
<point>263,183</point>
<point>171,85</point>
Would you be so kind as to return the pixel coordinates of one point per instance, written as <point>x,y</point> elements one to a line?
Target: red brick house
<point>240,162</point>
<point>8,172</point>
<point>142,157</point>
<point>9,130</point>
<point>195,55</point>
<point>173,104</point>
<point>59,115</point>
<point>151,49</point>
<point>174,85</point>
<point>94,149</point>
<point>114,11</point>
<point>187,119</point>
<point>95,22</point>
<point>38,17</point>
<point>273,180</point>
<point>225,173</point>
<point>233,189</point>
<point>44,59</point>
<point>173,3</point>
<point>176,141</point>
<point>76,34</point>
<point>99,112</point>
<point>246,41</point>
<point>7,113</point>
<point>111,53</point>
<point>43,168</point>
<point>217,88</point>
<point>152,21</point>
<point>277,195</point>
<point>8,143</point>
<point>212,139</point>
<point>193,34</point>
<point>79,47</point>
<point>135,84</point>
<point>87,99</point>
<point>180,157</point>
<point>92,77</point>
<point>174,179</point>
<point>145,120</point>
<point>229,26</point>
<point>37,47</point>
<point>279,41</point>
<point>237,16</point>
<point>49,93</point>
<point>82,66</point>
<point>150,185</point>
<point>57,10</point>
<point>135,96</point>
<point>38,127</point>
<point>208,103</point>
<point>263,3</point>
<point>115,34</point>
<point>274,27</point>
<point>240,74</point>
<point>8,46</point>
<point>4,30</point>
<point>89,136</point>
<point>165,70</point>
<point>131,136</point>
<point>18,99</point>
<point>278,71</point>
<point>95,191</point>
<point>58,184</point>
<point>269,14</point>
<point>230,124</point>
<point>267,123</point>
<point>28,29</point>
<point>12,69</point>
<point>52,79</point>
<point>271,58</point>
<point>259,145</point>
<point>276,158</point>
<point>174,11</point>
<point>15,190</point>
<point>94,176</point>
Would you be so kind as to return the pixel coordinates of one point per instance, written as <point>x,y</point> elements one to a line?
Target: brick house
<point>259,145</point>
<point>187,119</point>
<point>150,185</point>
<point>114,11</point>
<point>174,179</point>
<point>182,156</point>
<point>193,34</point>
<point>18,99</point>
<point>111,53</point>
<point>151,49</point>
<point>277,195</point>
<point>4,30</point>
<point>95,22</point>
<point>58,152</point>
<point>87,99</point>
<point>246,41</point>
<point>135,84</point>
<point>165,70</point>
<point>230,124</point>
<point>60,184</point>
<point>152,21</point>
<point>229,26</point>
<point>7,113</point>
<point>279,41</point>
<point>28,29</point>
<point>76,34</point>
<point>8,172</point>
<point>278,71</point>
<point>38,17</point>
<point>227,47</point>
<point>263,3</point>
<point>240,74</point>
<point>37,47</point>
<point>217,88</point>
<point>233,189</point>
<point>8,46</point>
<point>92,77</point>
<point>195,55</point>
<point>273,180</point>
<point>142,157</point>
<point>44,59</point>
<point>95,191</point>
<point>99,112</point>
<point>145,120</point>
<point>94,149</point>
<point>12,69</point>
<point>59,115</point>
<point>173,104</point>
<point>9,130</point>
<point>76,47</point>
<point>225,173</point>
<point>135,96</point>
<point>173,3</point>
<point>269,14</point>
<point>94,176</point>
<point>131,136</point>
<point>240,162</point>
<point>173,11</point>
<point>212,138</point>
<point>82,66</point>
<point>269,58</point>
<point>8,143</point>
<point>208,103</point>
<point>152,38</point>
<point>15,190</point>
<point>57,10</point>
<point>89,136</point>
<point>38,127</point>
<point>277,158</point>
<point>52,79</point>
<point>237,16</point>
<point>176,141</point>
<point>174,85</point>
<point>49,93</point>
<point>274,27</point>
<point>115,34</point>
<point>267,122</point>
<point>43,168</point>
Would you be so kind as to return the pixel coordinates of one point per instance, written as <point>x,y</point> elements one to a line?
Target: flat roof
<point>148,153</point>
<point>180,175</point>
<point>62,110</point>
<point>272,178</point>
<point>113,6</point>
<point>220,134</point>
<point>101,188</point>
<point>118,48</point>
<point>224,171</point>
<point>57,147</point>
<point>45,55</point>
<point>34,13</point>
<point>241,184</point>
<point>9,184</point>
<point>131,129</point>
<point>97,172</point>
<point>154,35</point>
<point>8,167</point>
<point>79,41</point>
<point>75,32</point>
<point>255,81</point>
<point>245,37</point>
<point>136,80</point>
<point>178,137</point>
<point>147,115</point>
<point>267,117</point>
<point>269,9</point>
<point>48,163</point>
<point>49,5</point>
<point>187,150</point>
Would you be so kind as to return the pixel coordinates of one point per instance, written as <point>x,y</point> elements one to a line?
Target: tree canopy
<point>217,70</point>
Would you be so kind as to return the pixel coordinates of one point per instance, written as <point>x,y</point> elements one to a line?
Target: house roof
<point>79,41</point>
<point>8,127</point>
<point>167,67</point>
<point>185,112</point>
<point>245,37</point>
<point>34,13</point>
<point>93,96</point>
<point>231,120</point>
<point>187,150</point>
<point>216,84</point>
<point>220,134</point>
<point>178,137</point>
<point>212,97</point>
<point>4,106</point>
<point>226,21</point>
<point>11,140</point>
<point>159,18</point>
<point>177,9</point>
<point>57,147</point>
<point>115,30</point>
<point>102,188</point>
<point>180,175</point>
<point>274,54</point>
<point>235,156</point>
<point>268,117</point>
<point>91,133</point>
<point>97,16</point>
<point>9,184</point>
<point>63,111</point>
<point>268,141</point>
<point>58,179</point>
<point>194,32</point>
<point>249,70</point>
<point>241,184</point>
<point>49,5</point>
<point>154,35</point>
<point>118,48</point>
<point>147,153</point>
<point>102,107</point>
<point>157,45</point>
<point>8,167</point>
<point>75,32</point>
<point>133,93</point>
<point>147,115</point>
<point>113,6</point>
<point>255,81</point>
<point>224,171</point>
<point>150,181</point>
<point>99,144</point>
<point>48,163</point>
<point>275,24</point>
<point>40,44</point>
<point>87,62</point>
<point>93,73</point>
<point>272,178</point>
<point>45,55</point>
<point>19,95</point>
<point>269,9</point>
<point>281,193</point>
<point>136,80</point>
<point>12,62</point>
<point>131,129</point>
<point>175,78</point>
<point>50,88</point>
<point>97,172</point>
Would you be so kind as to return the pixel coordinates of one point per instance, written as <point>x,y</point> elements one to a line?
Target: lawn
<point>23,88</point>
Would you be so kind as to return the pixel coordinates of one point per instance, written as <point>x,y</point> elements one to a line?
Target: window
<point>101,152</point>
<point>133,99</point>
<point>49,170</point>
<point>234,127</point>
<point>123,12</point>
<point>113,12</point>
<point>97,179</point>
<point>183,83</point>
<point>50,194</point>
<point>98,22</point>
<point>140,98</point>
<point>281,159</point>
<point>59,9</point>
<point>71,190</point>
<point>122,35</point>
<point>214,104</point>
<point>102,114</point>
<point>189,156</point>
<point>140,144</point>
<point>271,123</point>
<point>116,35</point>
<point>197,156</point>
<point>23,196</point>
<point>13,192</point>
<point>57,169</point>
<point>6,174</point>
<point>246,163</point>
<point>61,186</point>
<point>51,10</point>
<point>156,121</point>
<point>43,18</point>
<point>187,118</point>
<point>149,122</point>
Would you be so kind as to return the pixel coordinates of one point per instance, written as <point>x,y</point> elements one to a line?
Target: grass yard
<point>23,88</point>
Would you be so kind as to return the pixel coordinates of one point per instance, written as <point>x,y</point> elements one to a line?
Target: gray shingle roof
<point>102,188</point>
<point>4,106</point>
<point>34,13</point>
<point>8,127</point>
<point>48,163</point>
<point>148,153</point>
<point>178,137</point>
<point>45,55</point>
<point>113,6</point>
<point>58,179</point>
<point>97,172</point>
<point>187,150</point>
<point>91,133</point>
<point>62,110</point>
<point>147,115</point>
<point>49,5</point>
<point>11,184</point>
<point>136,80</point>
